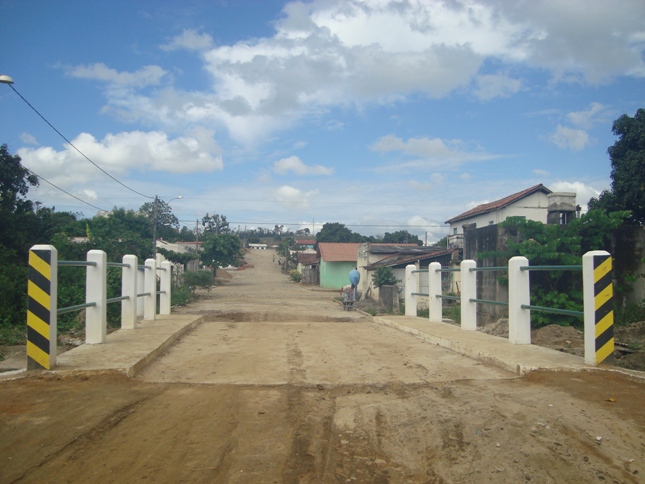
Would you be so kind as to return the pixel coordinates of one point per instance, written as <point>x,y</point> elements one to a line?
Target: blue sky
<point>381,115</point>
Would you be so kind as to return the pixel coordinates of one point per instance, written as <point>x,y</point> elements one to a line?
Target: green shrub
<point>384,276</point>
<point>295,275</point>
<point>201,279</point>
<point>180,295</point>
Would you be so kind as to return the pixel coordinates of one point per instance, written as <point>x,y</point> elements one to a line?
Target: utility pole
<point>197,235</point>
<point>154,228</point>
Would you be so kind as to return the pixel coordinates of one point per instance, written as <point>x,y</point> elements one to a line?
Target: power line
<point>346,225</point>
<point>59,188</point>
<point>73,146</point>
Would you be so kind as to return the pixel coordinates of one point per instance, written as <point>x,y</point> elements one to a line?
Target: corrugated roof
<point>338,251</point>
<point>307,259</point>
<point>501,203</point>
<point>404,259</point>
<point>399,249</point>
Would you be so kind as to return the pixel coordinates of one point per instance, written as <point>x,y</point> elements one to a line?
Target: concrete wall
<point>627,249</point>
<point>488,239</point>
<point>335,275</point>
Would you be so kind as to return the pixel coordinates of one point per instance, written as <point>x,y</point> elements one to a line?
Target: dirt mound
<point>223,274</point>
<point>629,339</point>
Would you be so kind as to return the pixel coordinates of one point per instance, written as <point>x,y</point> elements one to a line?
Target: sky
<point>382,115</point>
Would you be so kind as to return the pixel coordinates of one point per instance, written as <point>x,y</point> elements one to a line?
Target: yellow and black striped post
<point>598,306</point>
<point>42,307</point>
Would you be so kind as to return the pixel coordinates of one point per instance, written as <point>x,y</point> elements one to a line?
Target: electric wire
<point>66,192</point>
<point>73,146</point>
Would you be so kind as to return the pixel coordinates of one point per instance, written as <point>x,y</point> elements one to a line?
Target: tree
<point>121,232</point>
<point>216,224</point>
<point>221,250</point>
<point>18,221</point>
<point>556,245</point>
<point>627,157</point>
<point>167,223</point>
<point>334,232</point>
<point>401,237</point>
<point>384,276</point>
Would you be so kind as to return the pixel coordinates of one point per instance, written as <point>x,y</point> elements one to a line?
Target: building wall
<point>533,207</point>
<point>488,239</point>
<point>335,275</point>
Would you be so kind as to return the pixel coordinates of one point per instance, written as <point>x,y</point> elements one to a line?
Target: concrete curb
<point>129,351</point>
<point>518,359</point>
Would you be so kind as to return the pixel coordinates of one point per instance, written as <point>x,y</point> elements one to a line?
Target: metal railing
<point>518,304</point>
<point>138,294</point>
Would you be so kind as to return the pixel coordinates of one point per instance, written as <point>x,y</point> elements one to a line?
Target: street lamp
<point>4,79</point>
<point>154,223</point>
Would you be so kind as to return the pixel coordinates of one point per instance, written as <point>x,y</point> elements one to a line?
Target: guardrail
<point>598,315</point>
<point>42,304</point>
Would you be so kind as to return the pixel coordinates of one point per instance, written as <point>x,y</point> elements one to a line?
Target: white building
<point>531,204</point>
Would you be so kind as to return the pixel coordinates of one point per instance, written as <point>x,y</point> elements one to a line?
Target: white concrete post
<point>598,294</point>
<point>150,287</point>
<point>435,304</point>
<point>96,291</point>
<point>141,288</point>
<point>165,286</point>
<point>519,292</point>
<point>468,291</point>
<point>411,286</point>
<point>129,289</point>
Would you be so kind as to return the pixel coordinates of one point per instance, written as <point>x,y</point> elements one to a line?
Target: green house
<point>336,260</point>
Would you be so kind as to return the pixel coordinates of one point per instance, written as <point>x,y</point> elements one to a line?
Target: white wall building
<point>532,204</point>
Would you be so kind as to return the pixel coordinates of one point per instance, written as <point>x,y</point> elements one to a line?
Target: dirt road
<point>281,385</point>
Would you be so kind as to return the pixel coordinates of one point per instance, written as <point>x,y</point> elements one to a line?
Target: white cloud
<point>293,198</point>
<point>494,86</point>
<point>583,192</point>
<point>346,53</point>
<point>294,164</point>
<point>541,172</point>
<point>119,154</point>
<point>586,119</point>
<point>421,186</point>
<point>29,139</point>
<point>569,138</point>
<point>190,40</point>
<point>146,76</point>
<point>430,152</point>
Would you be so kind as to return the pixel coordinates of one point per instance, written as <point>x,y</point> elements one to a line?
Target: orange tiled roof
<point>496,205</point>
<point>338,251</point>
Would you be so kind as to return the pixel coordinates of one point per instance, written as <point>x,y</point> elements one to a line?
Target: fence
<point>42,305</point>
<point>597,289</point>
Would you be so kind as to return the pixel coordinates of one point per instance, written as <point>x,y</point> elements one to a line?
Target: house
<point>370,253</point>
<point>337,259</point>
<point>308,267</point>
<point>397,257</point>
<point>531,204</point>
<point>180,248</point>
<point>303,244</point>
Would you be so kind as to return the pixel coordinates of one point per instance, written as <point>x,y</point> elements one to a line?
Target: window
<point>454,231</point>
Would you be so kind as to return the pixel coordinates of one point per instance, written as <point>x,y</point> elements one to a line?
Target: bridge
<point>263,380</point>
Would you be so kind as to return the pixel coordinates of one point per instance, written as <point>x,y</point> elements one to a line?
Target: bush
<point>180,295</point>
<point>295,275</point>
<point>384,276</point>
<point>201,279</point>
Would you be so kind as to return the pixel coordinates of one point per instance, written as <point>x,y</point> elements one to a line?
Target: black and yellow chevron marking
<point>604,307</point>
<point>39,310</point>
